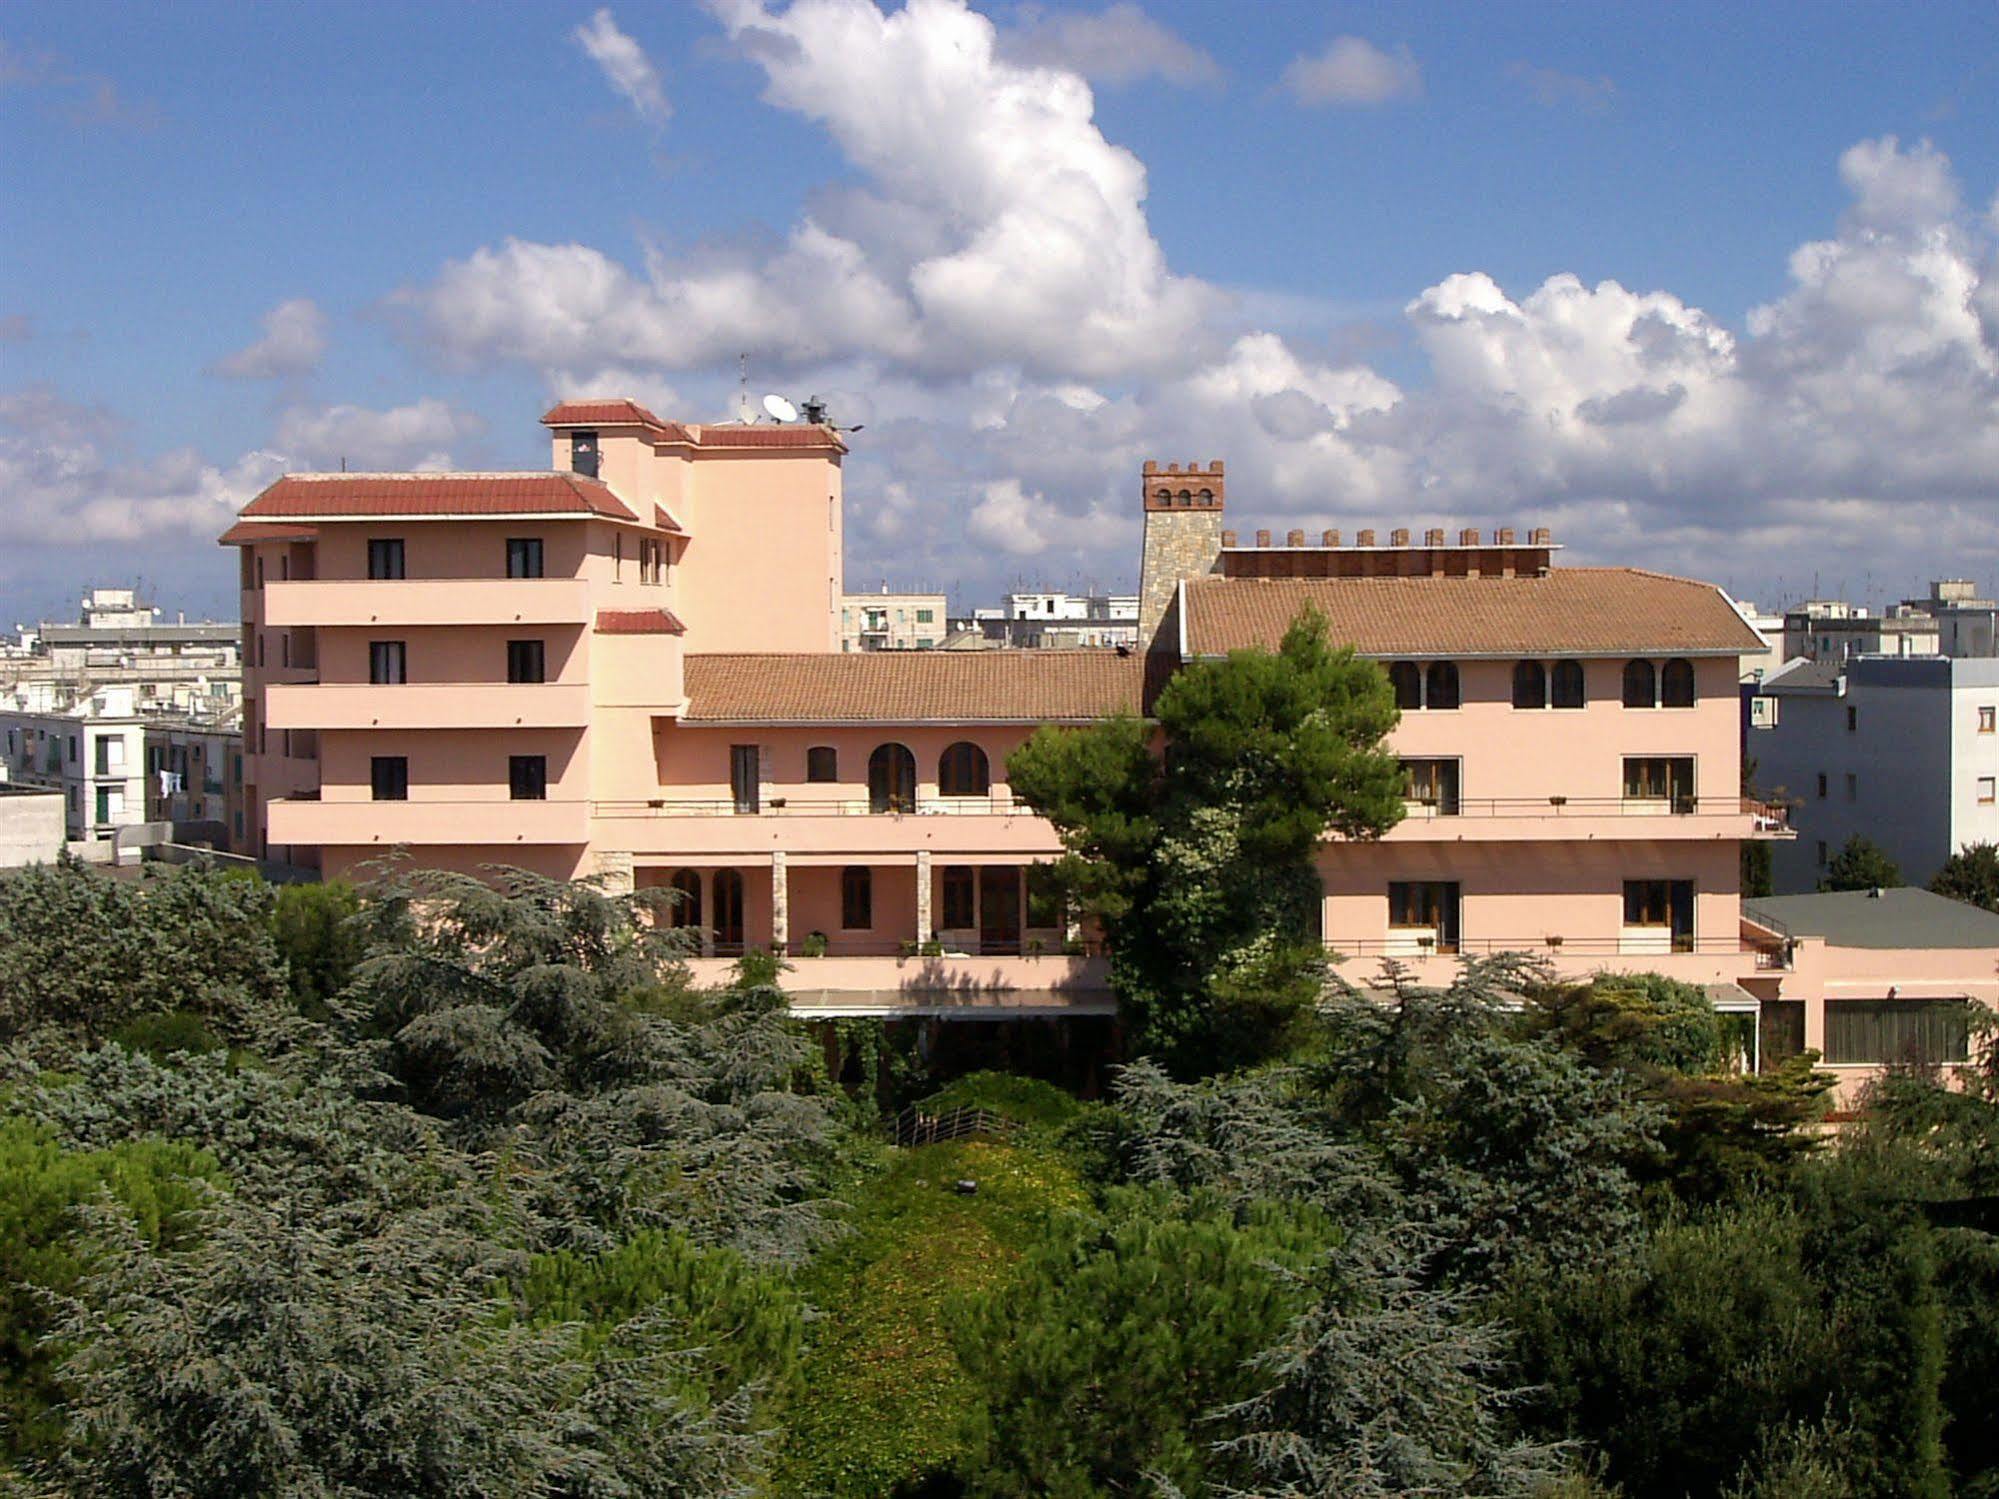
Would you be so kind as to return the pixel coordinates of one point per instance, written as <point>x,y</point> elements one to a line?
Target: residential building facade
<point>194,780</point>
<point>1902,751</point>
<point>893,621</point>
<point>91,751</point>
<point>1059,621</point>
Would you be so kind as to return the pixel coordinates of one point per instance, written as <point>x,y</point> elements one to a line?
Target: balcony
<point>428,705</point>
<point>954,986</point>
<point>1691,959</point>
<point>429,601</point>
<point>484,823</point>
<point>1470,819</point>
<point>706,829</point>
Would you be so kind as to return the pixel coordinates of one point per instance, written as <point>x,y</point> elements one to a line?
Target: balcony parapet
<point>1559,817</point>
<point>421,823</point>
<point>428,601</point>
<point>428,705</point>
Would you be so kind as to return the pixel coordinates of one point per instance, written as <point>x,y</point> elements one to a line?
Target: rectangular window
<point>926,616</point>
<point>525,661</point>
<point>1821,853</point>
<point>1426,906</point>
<point>1988,720</point>
<point>260,572</point>
<point>583,454</point>
<point>1852,718</point>
<point>387,663</point>
<point>960,899</point>
<point>109,802</point>
<point>524,556</point>
<point>1852,787</point>
<point>744,763</point>
<point>389,776</point>
<point>1821,785</point>
<point>1666,778</point>
<point>1897,1030</point>
<point>1780,1033</point>
<point>72,749</point>
<point>857,898</point>
<point>618,558</point>
<point>1662,903</point>
<point>527,777</point>
<point>385,558</point>
<point>1432,784</point>
<point>822,763</point>
<point>1986,791</point>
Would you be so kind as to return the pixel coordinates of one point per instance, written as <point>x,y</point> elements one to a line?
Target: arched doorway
<point>686,908</point>
<point>892,779</point>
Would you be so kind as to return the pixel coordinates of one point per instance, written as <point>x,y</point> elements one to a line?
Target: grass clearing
<point>881,1393</point>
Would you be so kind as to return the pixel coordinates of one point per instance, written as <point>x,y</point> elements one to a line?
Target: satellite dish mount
<point>780,409</point>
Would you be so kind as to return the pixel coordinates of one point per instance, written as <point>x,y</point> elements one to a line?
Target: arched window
<point>729,910</point>
<point>1676,684</point>
<point>1186,498</point>
<point>686,908</point>
<point>1530,685</point>
<point>1442,686</point>
<point>1164,496</point>
<point>962,770</point>
<point>892,779</point>
<point>1207,497</point>
<point>857,897</point>
<point>1639,685</point>
<point>1567,683</point>
<point>1407,680</point>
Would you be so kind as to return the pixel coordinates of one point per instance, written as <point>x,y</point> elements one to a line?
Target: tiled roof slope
<point>639,622</point>
<point>305,495</point>
<point>1572,611</point>
<point>245,531</point>
<point>626,413</point>
<point>892,687</point>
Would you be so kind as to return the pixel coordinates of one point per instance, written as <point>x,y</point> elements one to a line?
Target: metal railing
<point>1551,945</point>
<point>1423,808</point>
<point>913,1126</point>
<point>815,806</point>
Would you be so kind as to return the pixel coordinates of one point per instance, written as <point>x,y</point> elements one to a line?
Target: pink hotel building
<point>629,667</point>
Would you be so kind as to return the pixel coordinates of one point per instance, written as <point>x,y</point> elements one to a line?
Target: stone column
<point>706,883</point>
<point>614,870</point>
<point>924,930</point>
<point>780,903</point>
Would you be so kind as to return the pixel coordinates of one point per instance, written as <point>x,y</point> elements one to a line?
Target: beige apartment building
<point>887,621</point>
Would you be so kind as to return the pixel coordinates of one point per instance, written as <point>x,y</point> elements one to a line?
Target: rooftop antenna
<point>743,387</point>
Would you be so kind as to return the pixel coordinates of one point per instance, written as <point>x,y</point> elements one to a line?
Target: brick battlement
<point>1171,486</point>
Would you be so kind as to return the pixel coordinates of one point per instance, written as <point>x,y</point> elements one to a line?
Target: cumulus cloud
<point>294,339</point>
<point>985,292</point>
<point>416,437</point>
<point>994,225</point>
<point>1353,71</point>
<point>64,481</point>
<point>1118,45</point>
<point>82,99</point>
<point>1552,87</point>
<point>626,67</point>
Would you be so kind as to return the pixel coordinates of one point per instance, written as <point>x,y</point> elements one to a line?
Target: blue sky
<point>1330,269</point>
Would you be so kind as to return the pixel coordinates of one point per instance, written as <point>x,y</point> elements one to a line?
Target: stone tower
<point>1183,536</point>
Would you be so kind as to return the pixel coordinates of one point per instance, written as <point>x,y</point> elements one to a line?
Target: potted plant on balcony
<point>814,945</point>
<point>906,948</point>
<point>932,949</point>
<point>1036,947</point>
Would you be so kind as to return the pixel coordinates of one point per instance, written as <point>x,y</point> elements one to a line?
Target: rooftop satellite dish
<point>780,409</point>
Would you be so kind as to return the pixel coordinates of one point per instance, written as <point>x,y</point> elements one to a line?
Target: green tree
<point>1860,864</point>
<point>318,939</point>
<point>82,954</point>
<point>45,1253</point>
<point>1198,859</point>
<point>1971,874</point>
<point>1100,1361</point>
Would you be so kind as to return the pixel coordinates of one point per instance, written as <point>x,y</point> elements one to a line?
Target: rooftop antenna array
<point>812,411</point>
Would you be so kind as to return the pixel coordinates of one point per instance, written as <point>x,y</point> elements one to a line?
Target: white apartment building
<point>191,667</point>
<point>1901,750</point>
<point>1770,629</point>
<point>892,621</point>
<point>93,752</point>
<point>1060,621</point>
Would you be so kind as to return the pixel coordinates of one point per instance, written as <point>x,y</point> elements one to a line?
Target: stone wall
<point>1178,544</point>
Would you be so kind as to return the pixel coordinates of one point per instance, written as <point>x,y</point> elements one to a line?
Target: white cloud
<point>404,438</point>
<point>995,225</point>
<point>626,67</point>
<point>1552,87</point>
<point>1353,71</point>
<point>294,339</point>
<point>1118,45</point>
<point>64,485</point>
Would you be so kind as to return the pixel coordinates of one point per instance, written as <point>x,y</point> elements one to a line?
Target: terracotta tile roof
<point>620,413</point>
<point>639,622</point>
<point>663,518</point>
<point>890,687</point>
<point>1573,611</point>
<point>628,413</point>
<point>250,530</point>
<point>436,494</point>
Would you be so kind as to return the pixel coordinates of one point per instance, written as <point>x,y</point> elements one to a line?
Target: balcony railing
<point>1540,807</point>
<point>1554,946</point>
<point>816,806</point>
